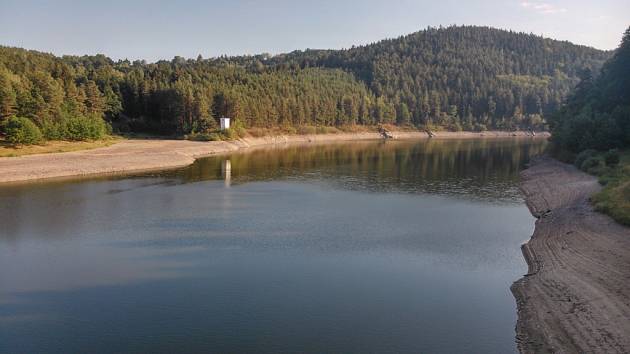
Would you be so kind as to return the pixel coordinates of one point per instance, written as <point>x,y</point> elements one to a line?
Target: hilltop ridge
<point>458,77</point>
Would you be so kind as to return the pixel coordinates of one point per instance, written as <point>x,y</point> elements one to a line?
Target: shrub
<point>238,129</point>
<point>290,130</point>
<point>22,131</point>
<point>54,130</point>
<point>455,127</point>
<point>612,158</point>
<point>591,165</point>
<point>480,127</point>
<point>614,200</point>
<point>322,129</point>
<point>204,125</point>
<point>76,127</point>
<point>307,130</point>
<point>90,127</point>
<point>583,156</point>
<point>228,134</point>
<point>204,137</point>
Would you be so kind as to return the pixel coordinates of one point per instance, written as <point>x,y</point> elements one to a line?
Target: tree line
<point>470,78</point>
<point>597,114</point>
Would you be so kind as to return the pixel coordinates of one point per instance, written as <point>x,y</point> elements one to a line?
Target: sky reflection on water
<point>397,246</point>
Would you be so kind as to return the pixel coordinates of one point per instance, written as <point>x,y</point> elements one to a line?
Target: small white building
<point>225,123</point>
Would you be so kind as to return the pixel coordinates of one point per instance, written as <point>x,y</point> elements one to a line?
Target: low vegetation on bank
<point>21,136</point>
<point>593,131</point>
<point>614,199</point>
<point>613,170</point>
<point>9,150</point>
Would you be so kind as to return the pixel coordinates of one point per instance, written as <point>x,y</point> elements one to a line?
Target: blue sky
<point>155,30</point>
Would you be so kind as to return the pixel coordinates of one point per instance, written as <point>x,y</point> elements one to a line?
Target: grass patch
<point>10,150</point>
<point>614,199</point>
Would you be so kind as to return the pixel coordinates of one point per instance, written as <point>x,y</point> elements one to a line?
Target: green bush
<point>455,127</point>
<point>238,128</point>
<point>222,135</point>
<point>583,156</point>
<point>480,127</point>
<point>591,165</point>
<point>236,131</point>
<point>614,200</point>
<point>204,126</point>
<point>90,127</point>
<point>54,130</point>
<point>205,137</point>
<point>307,130</point>
<point>290,130</point>
<point>22,131</point>
<point>612,158</point>
<point>77,128</point>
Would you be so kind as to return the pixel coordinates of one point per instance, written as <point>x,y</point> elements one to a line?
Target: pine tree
<point>8,97</point>
<point>94,100</point>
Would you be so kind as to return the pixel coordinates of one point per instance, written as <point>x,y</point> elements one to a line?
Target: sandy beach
<point>576,295</point>
<point>132,156</point>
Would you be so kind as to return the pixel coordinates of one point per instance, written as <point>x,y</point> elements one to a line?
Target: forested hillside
<point>471,78</point>
<point>597,114</point>
<point>593,129</point>
<point>477,75</point>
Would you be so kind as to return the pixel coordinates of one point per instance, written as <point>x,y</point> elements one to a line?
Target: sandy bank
<point>142,155</point>
<point>576,297</point>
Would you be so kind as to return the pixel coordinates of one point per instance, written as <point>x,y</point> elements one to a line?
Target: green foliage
<point>486,73</point>
<point>204,125</point>
<point>238,129</point>
<point>596,118</point>
<point>614,199</point>
<point>76,128</point>
<point>583,156</point>
<point>85,127</point>
<point>307,130</point>
<point>612,158</point>
<point>597,114</point>
<point>21,131</point>
<point>454,78</point>
<point>591,165</point>
<point>215,136</point>
<point>235,132</point>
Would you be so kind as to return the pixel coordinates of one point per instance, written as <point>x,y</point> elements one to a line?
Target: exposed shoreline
<point>134,156</point>
<point>576,295</point>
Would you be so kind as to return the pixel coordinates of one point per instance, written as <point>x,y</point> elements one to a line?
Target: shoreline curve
<point>575,297</point>
<point>136,156</point>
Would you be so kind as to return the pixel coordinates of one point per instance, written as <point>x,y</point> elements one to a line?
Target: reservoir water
<point>397,246</point>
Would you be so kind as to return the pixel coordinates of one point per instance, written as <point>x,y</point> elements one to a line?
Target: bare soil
<point>576,295</point>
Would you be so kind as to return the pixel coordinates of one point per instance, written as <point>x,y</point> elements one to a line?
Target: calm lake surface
<point>398,246</point>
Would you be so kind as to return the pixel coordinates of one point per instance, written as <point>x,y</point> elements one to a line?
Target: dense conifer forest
<point>470,78</point>
<point>592,130</point>
<point>597,113</point>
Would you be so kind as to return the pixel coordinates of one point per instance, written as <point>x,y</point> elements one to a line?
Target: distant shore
<point>576,295</point>
<point>133,156</point>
